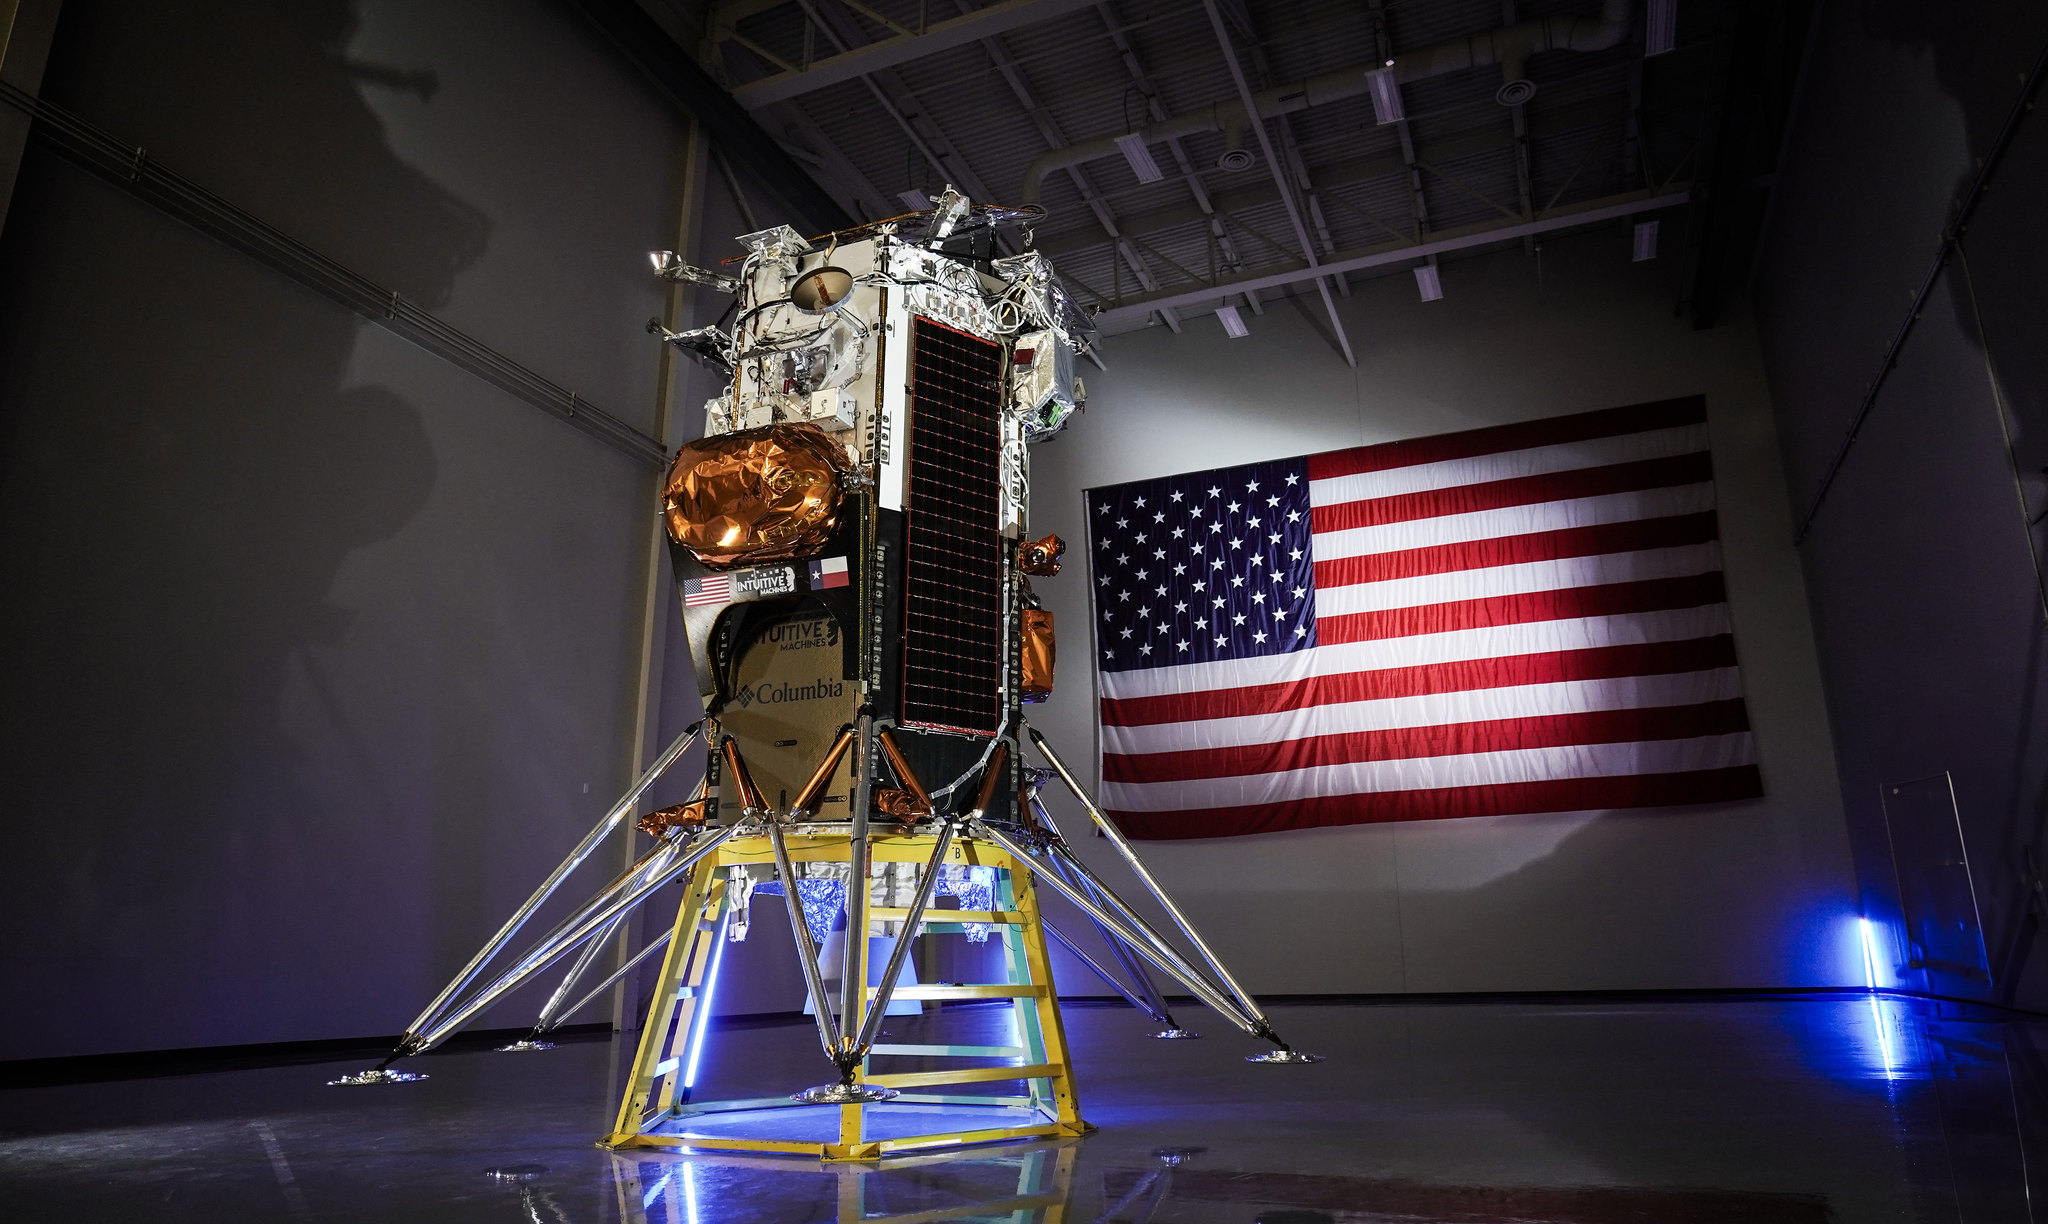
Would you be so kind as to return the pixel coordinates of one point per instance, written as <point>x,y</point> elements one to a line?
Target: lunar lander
<point>851,546</point>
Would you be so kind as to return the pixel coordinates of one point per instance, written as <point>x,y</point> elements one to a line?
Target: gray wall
<point>1757,893</point>
<point>318,651</point>
<point>1925,598</point>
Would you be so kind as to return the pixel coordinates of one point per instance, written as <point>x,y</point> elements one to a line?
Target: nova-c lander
<point>851,545</point>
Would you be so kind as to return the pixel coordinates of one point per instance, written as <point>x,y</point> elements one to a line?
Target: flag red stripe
<point>1695,467</point>
<point>1556,795</point>
<point>1632,536</point>
<point>1663,414</point>
<point>1463,675</point>
<point>1570,603</point>
<point>1445,739</point>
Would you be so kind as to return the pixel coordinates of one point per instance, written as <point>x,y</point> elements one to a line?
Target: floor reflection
<point>1019,1184</point>
<point>1984,1083</point>
<point>1769,1110</point>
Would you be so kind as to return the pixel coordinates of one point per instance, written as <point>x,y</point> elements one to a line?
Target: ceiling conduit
<point>1509,46</point>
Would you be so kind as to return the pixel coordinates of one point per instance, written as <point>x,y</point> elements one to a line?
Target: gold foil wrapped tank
<point>766,494</point>
<point>1038,654</point>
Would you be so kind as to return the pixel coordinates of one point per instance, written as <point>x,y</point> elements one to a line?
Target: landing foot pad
<point>376,1077</point>
<point>1284,1056</point>
<point>843,1094</point>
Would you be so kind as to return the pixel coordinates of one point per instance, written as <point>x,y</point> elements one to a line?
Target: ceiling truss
<point>1331,194</point>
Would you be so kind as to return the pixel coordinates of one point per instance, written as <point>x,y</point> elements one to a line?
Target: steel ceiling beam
<point>872,57</point>
<point>647,45</point>
<point>1048,129</point>
<point>806,140</point>
<point>1447,241</point>
<point>1258,126</point>
<point>1204,203</point>
<point>1335,174</point>
<point>899,102</point>
<point>1290,146</point>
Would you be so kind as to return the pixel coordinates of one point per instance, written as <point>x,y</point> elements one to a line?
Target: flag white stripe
<point>1513,520</point>
<point>1507,465</point>
<point>1524,578</point>
<point>1432,773</point>
<point>1428,710</point>
<point>1492,641</point>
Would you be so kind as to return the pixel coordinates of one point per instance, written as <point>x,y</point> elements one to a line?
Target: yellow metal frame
<point>1044,1185</point>
<point>654,1102</point>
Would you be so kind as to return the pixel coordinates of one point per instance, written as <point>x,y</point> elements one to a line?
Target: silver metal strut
<point>550,950</point>
<point>852,986</point>
<point>1144,875</point>
<point>550,1012</point>
<point>806,947</point>
<point>546,1019</point>
<point>1153,1004</point>
<point>611,820</point>
<point>872,1023</point>
<point>1107,977</point>
<point>638,958</point>
<point>1059,855</point>
<point>1163,956</point>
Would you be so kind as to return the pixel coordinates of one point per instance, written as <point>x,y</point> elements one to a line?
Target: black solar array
<point>952,648</point>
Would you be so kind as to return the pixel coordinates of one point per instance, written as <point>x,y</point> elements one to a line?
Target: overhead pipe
<point>1510,46</point>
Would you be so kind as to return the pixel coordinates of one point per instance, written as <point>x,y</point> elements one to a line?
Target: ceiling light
<point>1646,241</point>
<point>1426,281</point>
<point>915,200</point>
<point>1132,145</point>
<point>1233,322</point>
<point>1660,27</point>
<point>1386,95</point>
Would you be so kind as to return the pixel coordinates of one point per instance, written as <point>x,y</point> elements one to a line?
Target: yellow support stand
<point>657,1112</point>
<point>1023,1184</point>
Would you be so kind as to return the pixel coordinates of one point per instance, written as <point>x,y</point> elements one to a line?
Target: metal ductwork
<point>1509,46</point>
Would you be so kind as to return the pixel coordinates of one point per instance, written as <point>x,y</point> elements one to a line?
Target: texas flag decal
<point>827,573</point>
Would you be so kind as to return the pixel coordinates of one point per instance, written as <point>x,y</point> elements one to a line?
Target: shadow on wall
<point>183,479</point>
<point>1996,287</point>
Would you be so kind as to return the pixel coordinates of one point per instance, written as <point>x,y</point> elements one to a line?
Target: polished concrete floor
<point>1757,1110</point>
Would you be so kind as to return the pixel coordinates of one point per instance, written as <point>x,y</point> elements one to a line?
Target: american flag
<point>1526,618</point>
<point>703,592</point>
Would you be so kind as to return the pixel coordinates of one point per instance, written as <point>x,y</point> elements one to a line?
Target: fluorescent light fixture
<point>1660,27</point>
<point>915,200</point>
<point>1233,322</point>
<point>704,1005</point>
<point>1386,95</point>
<point>1877,1016</point>
<point>1869,953</point>
<point>1646,241</point>
<point>1132,146</point>
<point>1427,284</point>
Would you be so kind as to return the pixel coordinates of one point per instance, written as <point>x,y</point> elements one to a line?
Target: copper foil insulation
<point>1038,654</point>
<point>766,494</point>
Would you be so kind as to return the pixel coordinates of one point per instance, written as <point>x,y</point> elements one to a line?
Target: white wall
<point>1752,894</point>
